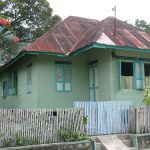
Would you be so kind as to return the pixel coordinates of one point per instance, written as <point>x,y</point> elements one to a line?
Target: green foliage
<point>25,141</point>
<point>147,96</point>
<point>29,20</point>
<point>8,142</point>
<point>70,135</point>
<point>1,135</point>
<point>85,120</point>
<point>7,44</point>
<point>29,16</point>
<point>142,24</point>
<point>21,141</point>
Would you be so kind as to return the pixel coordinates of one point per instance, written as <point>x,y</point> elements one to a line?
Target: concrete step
<point>132,148</point>
<point>123,136</point>
<point>127,142</point>
<point>112,142</point>
<point>99,146</point>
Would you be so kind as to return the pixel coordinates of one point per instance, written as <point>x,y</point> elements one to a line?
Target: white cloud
<point>100,9</point>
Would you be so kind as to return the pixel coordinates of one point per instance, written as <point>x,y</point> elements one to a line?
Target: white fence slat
<point>106,117</point>
<point>39,124</point>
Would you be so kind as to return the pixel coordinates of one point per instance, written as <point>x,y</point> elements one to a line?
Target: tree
<point>29,20</point>
<point>7,42</point>
<point>29,16</point>
<point>142,24</point>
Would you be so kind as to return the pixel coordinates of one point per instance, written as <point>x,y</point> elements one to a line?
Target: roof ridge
<point>79,17</point>
<point>48,32</point>
<point>90,28</point>
<point>131,25</point>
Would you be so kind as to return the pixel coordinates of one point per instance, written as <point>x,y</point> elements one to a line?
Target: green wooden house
<point>78,60</point>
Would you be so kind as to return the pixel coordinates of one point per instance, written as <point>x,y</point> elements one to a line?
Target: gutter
<point>104,46</point>
<point>98,45</point>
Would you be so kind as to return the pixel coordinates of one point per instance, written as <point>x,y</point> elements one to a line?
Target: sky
<point>127,10</point>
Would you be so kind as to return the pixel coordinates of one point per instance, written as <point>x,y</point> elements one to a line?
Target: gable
<point>104,39</point>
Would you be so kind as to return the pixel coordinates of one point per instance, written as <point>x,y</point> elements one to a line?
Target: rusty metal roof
<point>63,37</point>
<point>74,33</point>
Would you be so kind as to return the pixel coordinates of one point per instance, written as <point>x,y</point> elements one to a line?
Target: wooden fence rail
<point>106,117</point>
<point>41,124</point>
<point>140,119</point>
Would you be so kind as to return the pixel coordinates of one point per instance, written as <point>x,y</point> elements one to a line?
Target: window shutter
<point>119,74</point>
<point>4,88</point>
<point>14,83</point>
<point>29,78</point>
<point>67,78</point>
<point>139,75</point>
<point>59,78</point>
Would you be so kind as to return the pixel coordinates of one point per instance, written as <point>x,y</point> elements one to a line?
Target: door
<point>93,82</point>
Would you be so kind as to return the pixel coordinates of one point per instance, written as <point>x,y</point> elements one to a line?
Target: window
<point>4,88</point>
<point>132,75</point>
<point>63,76</point>
<point>29,78</point>
<point>147,75</point>
<point>127,75</point>
<point>12,83</point>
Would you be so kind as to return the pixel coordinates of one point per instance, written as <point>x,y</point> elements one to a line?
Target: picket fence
<point>140,119</point>
<point>106,117</point>
<point>39,124</point>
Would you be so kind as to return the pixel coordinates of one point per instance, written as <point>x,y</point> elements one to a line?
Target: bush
<point>147,96</point>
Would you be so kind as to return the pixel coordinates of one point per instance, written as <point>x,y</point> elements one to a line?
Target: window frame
<point>145,62</point>
<point>5,82</point>
<point>142,78</point>
<point>29,83</point>
<point>63,66</point>
<point>120,75</point>
<point>10,83</point>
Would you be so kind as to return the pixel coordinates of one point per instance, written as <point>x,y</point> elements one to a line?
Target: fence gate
<point>106,117</point>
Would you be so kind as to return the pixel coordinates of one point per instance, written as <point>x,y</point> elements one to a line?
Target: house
<point>78,60</point>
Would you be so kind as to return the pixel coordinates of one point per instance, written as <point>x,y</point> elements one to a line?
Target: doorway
<point>93,82</point>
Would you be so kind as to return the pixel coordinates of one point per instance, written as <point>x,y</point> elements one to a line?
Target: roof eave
<point>83,49</point>
<point>98,45</point>
<point>104,46</point>
<point>23,53</point>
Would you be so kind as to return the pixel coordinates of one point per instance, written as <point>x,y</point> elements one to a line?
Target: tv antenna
<point>115,12</point>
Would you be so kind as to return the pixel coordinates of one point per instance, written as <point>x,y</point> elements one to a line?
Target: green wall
<point>22,99</point>
<point>44,93</point>
<point>47,95</point>
<point>125,94</point>
<point>103,58</point>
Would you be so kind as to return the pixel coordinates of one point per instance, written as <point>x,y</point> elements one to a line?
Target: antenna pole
<point>114,9</point>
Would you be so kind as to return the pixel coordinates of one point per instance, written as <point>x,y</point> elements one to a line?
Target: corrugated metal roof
<point>74,33</point>
<point>63,37</point>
